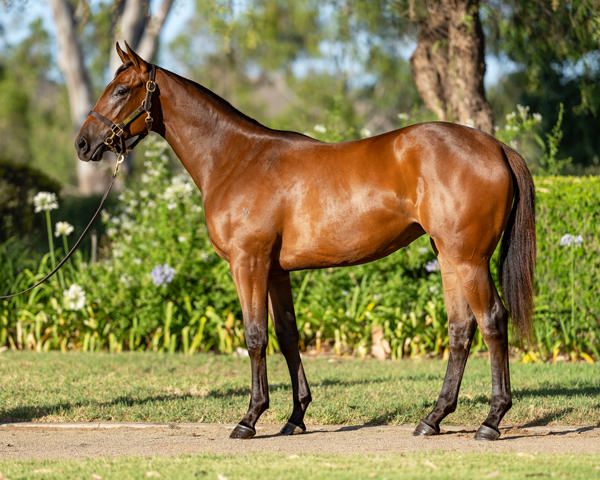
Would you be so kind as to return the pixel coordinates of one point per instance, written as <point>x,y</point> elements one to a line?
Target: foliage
<point>35,128</point>
<point>567,315</point>
<point>554,46</point>
<point>18,184</point>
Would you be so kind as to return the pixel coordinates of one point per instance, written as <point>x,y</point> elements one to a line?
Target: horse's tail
<point>518,249</point>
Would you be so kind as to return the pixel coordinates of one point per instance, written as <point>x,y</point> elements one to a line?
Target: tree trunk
<point>70,60</point>
<point>448,64</point>
<point>135,25</point>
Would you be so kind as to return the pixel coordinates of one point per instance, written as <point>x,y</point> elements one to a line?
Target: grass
<point>55,387</point>
<point>430,465</point>
<point>145,387</point>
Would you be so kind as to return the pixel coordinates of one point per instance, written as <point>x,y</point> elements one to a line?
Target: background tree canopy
<point>338,63</point>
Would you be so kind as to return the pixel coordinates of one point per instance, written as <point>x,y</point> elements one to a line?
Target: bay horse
<point>278,201</point>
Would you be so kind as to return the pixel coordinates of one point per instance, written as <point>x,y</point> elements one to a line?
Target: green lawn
<point>55,387</point>
<point>145,387</point>
<point>431,465</point>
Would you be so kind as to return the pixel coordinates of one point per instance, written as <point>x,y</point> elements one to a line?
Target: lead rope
<point>120,160</point>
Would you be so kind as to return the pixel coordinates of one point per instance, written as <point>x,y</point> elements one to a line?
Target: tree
<point>131,21</point>
<point>448,64</point>
<point>34,118</point>
<point>555,46</point>
<point>295,64</point>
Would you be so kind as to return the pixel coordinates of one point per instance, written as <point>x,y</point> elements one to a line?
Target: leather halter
<point>115,139</point>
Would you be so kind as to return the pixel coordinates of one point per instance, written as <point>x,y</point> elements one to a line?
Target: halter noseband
<point>115,139</point>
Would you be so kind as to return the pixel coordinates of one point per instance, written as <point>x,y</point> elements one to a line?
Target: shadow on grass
<point>29,413</point>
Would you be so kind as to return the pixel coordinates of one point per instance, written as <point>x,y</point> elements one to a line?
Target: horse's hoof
<point>486,433</point>
<point>291,429</point>
<point>243,432</point>
<point>425,430</point>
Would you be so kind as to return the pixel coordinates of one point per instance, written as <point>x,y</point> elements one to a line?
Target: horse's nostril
<point>82,144</point>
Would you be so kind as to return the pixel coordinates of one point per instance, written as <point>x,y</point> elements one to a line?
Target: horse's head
<point>122,115</point>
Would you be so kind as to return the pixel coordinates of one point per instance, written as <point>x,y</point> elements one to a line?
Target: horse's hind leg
<point>461,328</point>
<point>492,319</point>
<point>282,312</point>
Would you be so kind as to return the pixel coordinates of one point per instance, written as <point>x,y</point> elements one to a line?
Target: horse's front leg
<point>250,277</point>
<point>281,307</point>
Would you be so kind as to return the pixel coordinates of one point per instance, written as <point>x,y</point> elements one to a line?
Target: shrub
<point>18,185</point>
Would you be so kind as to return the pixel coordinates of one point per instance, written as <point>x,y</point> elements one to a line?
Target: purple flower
<point>567,240</point>
<point>162,275</point>
<point>432,266</point>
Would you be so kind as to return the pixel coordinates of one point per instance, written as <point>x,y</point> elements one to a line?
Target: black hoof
<point>243,432</point>
<point>486,433</point>
<point>291,429</point>
<point>425,430</point>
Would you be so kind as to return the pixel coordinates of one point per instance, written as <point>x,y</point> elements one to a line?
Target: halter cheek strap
<point>115,139</point>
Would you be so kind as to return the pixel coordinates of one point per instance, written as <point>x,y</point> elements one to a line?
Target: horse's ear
<point>122,55</point>
<point>138,62</point>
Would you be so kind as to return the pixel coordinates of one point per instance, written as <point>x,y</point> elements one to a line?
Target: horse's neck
<point>208,135</point>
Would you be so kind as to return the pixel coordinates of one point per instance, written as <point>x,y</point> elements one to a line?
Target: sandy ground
<point>35,440</point>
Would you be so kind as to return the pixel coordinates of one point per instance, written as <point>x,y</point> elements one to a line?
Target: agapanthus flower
<point>432,266</point>
<point>162,275</point>
<point>74,297</point>
<point>63,228</point>
<point>45,201</point>
<point>567,240</point>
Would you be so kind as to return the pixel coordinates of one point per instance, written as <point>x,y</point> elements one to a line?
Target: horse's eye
<point>120,91</point>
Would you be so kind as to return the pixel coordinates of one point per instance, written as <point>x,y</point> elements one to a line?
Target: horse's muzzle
<point>88,150</point>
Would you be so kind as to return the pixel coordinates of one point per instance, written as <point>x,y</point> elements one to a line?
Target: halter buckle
<point>116,130</point>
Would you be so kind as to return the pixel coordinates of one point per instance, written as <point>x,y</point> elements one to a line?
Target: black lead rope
<point>120,160</point>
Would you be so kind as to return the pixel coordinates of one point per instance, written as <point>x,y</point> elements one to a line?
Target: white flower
<point>537,117</point>
<point>523,111</point>
<point>45,201</point>
<point>74,297</point>
<point>63,228</point>
<point>320,128</point>
<point>365,133</point>
<point>403,116</point>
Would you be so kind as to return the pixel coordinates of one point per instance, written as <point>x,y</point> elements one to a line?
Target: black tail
<point>518,249</point>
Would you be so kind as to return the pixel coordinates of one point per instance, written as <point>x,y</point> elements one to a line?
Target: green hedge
<point>189,303</point>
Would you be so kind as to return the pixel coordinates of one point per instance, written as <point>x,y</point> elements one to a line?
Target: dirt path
<point>34,440</point>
